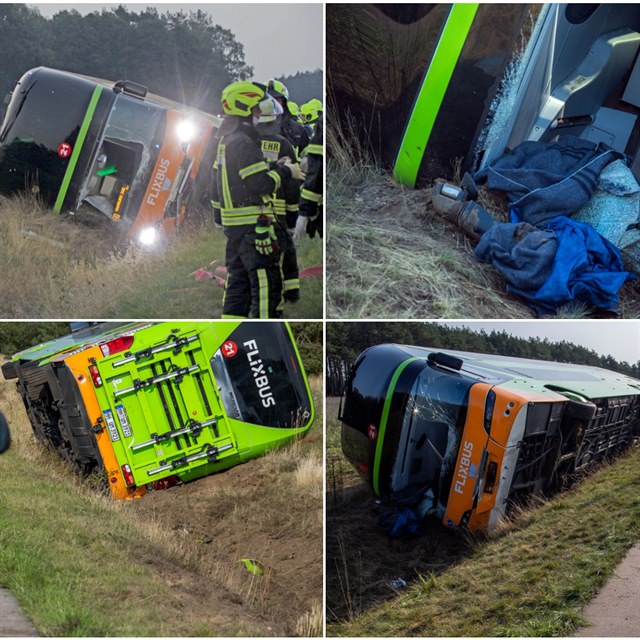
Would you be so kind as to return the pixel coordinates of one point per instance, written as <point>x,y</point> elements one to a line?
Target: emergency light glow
<point>148,236</point>
<point>186,131</point>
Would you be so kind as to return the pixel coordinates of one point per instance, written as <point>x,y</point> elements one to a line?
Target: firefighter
<point>276,148</point>
<point>242,188</point>
<point>291,129</point>
<point>294,110</point>
<point>310,112</point>
<point>310,215</point>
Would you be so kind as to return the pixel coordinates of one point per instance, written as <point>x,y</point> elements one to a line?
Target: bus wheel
<point>9,370</point>
<point>5,437</point>
<point>583,411</point>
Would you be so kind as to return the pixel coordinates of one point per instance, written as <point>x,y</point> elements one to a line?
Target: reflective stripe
<point>77,148</point>
<point>228,316</point>
<point>315,149</point>
<point>311,196</point>
<point>293,208</point>
<point>276,178</point>
<point>263,293</point>
<point>243,215</point>
<point>215,205</point>
<point>432,92</point>
<point>226,191</point>
<point>252,169</point>
<point>289,285</point>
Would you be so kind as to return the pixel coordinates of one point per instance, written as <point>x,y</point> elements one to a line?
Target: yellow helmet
<point>277,89</point>
<point>240,97</point>
<point>317,104</point>
<point>309,112</point>
<point>294,109</point>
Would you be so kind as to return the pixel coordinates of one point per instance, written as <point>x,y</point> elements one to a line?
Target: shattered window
<point>432,426</point>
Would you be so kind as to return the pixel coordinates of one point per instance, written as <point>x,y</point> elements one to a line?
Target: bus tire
<point>9,371</point>
<point>5,436</point>
<point>583,411</point>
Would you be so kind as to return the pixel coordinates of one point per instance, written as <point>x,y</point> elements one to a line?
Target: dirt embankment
<point>247,513</point>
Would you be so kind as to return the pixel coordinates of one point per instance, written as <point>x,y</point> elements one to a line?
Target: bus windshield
<point>432,426</point>
<point>260,379</point>
<point>128,150</point>
<point>44,112</point>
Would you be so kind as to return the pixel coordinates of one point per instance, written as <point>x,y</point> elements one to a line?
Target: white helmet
<point>270,109</point>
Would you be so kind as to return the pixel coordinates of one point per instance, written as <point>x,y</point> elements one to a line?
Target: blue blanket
<point>546,180</point>
<point>564,262</point>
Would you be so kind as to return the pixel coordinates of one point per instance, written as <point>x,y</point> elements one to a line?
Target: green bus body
<point>176,399</point>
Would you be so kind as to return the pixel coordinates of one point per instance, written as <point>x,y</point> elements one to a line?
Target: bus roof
<point>538,375</point>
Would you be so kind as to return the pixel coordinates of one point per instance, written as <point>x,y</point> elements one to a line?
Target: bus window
<point>260,379</point>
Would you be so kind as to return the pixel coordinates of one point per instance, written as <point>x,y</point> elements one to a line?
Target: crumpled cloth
<point>614,211</point>
<point>399,522</point>
<point>547,180</point>
<point>563,262</point>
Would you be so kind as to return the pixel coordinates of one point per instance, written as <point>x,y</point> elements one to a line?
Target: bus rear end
<point>189,399</point>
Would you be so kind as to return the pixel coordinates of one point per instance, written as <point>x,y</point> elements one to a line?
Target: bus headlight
<point>186,131</point>
<point>148,236</point>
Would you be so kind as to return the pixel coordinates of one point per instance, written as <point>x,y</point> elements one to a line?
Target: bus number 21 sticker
<point>229,349</point>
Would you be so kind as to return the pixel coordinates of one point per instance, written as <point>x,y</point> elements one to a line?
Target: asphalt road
<point>615,611</point>
<point>12,623</point>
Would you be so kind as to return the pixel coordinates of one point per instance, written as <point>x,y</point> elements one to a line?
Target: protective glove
<point>296,172</point>
<point>301,225</point>
<point>315,225</point>
<point>266,240</point>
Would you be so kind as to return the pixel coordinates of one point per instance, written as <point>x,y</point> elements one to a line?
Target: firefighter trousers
<point>254,281</point>
<point>290,274</point>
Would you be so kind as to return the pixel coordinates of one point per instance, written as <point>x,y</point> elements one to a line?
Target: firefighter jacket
<point>295,133</point>
<point>312,189</point>
<point>274,147</point>
<point>243,182</point>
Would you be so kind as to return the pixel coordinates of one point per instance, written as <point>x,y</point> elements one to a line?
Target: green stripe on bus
<point>383,421</point>
<point>62,194</point>
<point>431,94</point>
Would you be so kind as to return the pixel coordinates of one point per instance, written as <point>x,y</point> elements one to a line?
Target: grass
<point>69,270</point>
<point>531,579</point>
<point>82,564</point>
<point>389,255</point>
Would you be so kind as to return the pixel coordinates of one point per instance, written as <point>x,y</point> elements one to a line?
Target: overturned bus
<point>155,404</point>
<point>440,83</point>
<point>104,150</point>
<point>462,436</point>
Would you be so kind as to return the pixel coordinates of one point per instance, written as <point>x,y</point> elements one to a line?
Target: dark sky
<point>278,39</point>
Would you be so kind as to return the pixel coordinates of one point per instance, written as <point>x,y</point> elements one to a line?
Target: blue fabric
<point>398,523</point>
<point>546,180</point>
<point>584,267</point>
<point>522,253</point>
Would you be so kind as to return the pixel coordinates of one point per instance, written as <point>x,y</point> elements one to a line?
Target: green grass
<point>79,569</point>
<point>533,579</point>
<point>68,270</point>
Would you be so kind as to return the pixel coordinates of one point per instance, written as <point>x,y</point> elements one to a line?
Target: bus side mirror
<point>445,360</point>
<point>130,88</point>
